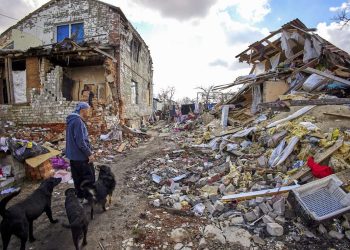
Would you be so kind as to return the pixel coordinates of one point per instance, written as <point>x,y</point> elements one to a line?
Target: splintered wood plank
<point>319,157</point>
<point>339,115</point>
<point>121,147</point>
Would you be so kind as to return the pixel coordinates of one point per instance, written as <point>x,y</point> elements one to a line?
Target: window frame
<point>70,30</point>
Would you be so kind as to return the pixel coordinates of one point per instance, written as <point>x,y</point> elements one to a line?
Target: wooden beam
<point>9,80</point>
<point>273,45</point>
<point>106,54</point>
<point>339,115</point>
<point>269,36</point>
<point>320,102</point>
<point>251,195</point>
<point>326,75</point>
<point>314,61</point>
<point>289,60</point>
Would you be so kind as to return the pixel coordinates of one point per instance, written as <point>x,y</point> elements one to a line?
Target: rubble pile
<point>240,177</point>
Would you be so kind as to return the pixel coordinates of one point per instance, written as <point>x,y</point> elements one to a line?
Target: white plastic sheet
<point>298,113</point>
<point>309,51</point>
<point>20,83</point>
<point>309,126</point>
<point>232,147</point>
<point>287,44</point>
<point>260,68</point>
<point>275,60</point>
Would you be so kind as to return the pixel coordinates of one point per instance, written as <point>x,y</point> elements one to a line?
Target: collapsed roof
<point>287,52</point>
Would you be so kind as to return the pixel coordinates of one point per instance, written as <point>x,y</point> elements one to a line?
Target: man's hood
<point>72,117</point>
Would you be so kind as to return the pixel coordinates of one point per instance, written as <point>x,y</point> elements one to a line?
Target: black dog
<point>78,222</point>
<point>98,191</point>
<point>18,219</point>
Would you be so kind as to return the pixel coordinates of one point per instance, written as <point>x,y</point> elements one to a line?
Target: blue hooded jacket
<point>78,147</point>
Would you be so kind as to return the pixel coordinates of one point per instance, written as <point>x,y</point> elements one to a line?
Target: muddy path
<point>108,229</point>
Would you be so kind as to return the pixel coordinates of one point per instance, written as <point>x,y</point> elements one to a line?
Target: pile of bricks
<point>42,172</point>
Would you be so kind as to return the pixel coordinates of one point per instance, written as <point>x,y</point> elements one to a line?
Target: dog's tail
<point>77,223</point>
<point>87,186</point>
<point>4,201</point>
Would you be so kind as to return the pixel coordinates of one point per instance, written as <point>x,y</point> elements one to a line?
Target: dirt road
<point>107,230</point>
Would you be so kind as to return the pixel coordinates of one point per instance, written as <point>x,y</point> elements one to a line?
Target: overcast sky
<point>194,42</point>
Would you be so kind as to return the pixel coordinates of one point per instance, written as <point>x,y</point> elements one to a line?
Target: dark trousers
<point>81,171</point>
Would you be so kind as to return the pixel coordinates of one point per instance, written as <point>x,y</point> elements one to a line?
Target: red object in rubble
<point>318,170</point>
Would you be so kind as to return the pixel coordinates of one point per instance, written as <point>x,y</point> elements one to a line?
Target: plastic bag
<point>22,150</point>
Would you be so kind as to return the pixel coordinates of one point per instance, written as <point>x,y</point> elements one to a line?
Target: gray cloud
<point>13,8</point>
<point>180,9</point>
<point>236,65</point>
<point>243,36</point>
<point>219,62</point>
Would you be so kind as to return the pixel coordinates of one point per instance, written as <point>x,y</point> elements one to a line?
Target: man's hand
<point>91,158</point>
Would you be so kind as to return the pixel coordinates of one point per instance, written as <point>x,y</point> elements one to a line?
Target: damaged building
<point>292,58</point>
<point>75,50</point>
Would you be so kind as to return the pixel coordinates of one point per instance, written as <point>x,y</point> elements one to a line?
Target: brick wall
<point>139,71</point>
<point>43,113</point>
<point>95,16</point>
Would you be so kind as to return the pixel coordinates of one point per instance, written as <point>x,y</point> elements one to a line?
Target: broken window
<point>74,31</point>
<point>135,49</point>
<point>134,92</point>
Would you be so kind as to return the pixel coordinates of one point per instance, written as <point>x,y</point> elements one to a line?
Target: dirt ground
<point>108,229</point>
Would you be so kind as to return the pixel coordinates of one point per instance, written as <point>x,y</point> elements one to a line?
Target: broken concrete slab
<point>274,229</point>
<point>214,233</point>
<point>250,216</point>
<point>236,235</point>
<point>178,235</point>
<point>237,220</point>
<point>279,207</point>
<point>267,219</point>
<point>258,240</point>
<point>336,235</point>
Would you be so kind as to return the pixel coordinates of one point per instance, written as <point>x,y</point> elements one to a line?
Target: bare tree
<point>166,96</point>
<point>206,93</point>
<point>343,16</point>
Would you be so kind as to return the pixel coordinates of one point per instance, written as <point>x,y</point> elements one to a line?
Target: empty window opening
<point>134,92</point>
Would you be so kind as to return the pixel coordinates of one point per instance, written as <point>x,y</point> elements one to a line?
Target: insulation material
<point>260,68</point>
<point>275,60</point>
<point>309,51</point>
<point>317,45</point>
<point>20,83</point>
<point>257,98</point>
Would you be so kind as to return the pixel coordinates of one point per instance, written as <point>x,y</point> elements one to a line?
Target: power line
<point>18,20</point>
<point>9,17</point>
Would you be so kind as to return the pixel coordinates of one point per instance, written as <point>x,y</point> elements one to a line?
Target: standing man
<point>78,148</point>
